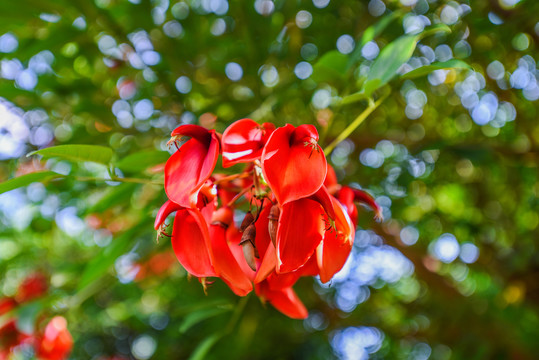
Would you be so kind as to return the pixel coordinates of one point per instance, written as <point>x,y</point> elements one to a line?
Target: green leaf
<point>391,58</point>
<point>140,161</point>
<point>27,179</point>
<point>205,346</point>
<point>198,316</point>
<point>94,153</point>
<point>332,65</point>
<point>427,69</point>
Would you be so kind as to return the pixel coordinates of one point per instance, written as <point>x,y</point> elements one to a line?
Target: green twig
<point>357,121</point>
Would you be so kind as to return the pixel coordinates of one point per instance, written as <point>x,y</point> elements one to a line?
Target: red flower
<point>297,221</point>
<point>56,341</point>
<point>244,140</point>
<point>11,337</point>
<point>293,163</point>
<point>189,167</point>
<point>31,288</point>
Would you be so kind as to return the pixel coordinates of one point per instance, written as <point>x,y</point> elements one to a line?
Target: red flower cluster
<point>54,343</point>
<point>300,221</point>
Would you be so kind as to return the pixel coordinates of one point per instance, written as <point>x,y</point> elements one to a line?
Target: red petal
<point>336,246</point>
<point>300,230</point>
<point>194,131</point>
<point>166,209</point>
<point>244,140</point>
<point>225,264</point>
<point>263,239</point>
<point>234,237</point>
<point>191,243</point>
<point>284,300</point>
<point>366,198</point>
<point>267,265</point>
<point>294,165</point>
<point>324,198</point>
<point>279,281</point>
<point>331,177</point>
<point>188,168</point>
<point>346,197</point>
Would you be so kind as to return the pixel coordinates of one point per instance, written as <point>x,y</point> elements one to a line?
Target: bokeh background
<point>451,153</point>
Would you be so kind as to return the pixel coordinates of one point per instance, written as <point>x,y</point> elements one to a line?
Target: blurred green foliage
<point>450,151</point>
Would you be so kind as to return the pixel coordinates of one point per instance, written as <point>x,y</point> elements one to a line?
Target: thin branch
<point>357,121</point>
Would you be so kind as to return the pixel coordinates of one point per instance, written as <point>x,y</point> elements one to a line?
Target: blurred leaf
<point>332,65</point>
<point>195,317</point>
<point>27,179</point>
<point>100,263</point>
<point>142,160</point>
<point>94,153</point>
<point>114,196</point>
<point>205,346</point>
<point>427,69</point>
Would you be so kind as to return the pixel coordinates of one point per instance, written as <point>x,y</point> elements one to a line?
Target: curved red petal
<point>234,238</point>
<point>346,198</point>
<point>166,209</point>
<point>225,264</point>
<point>269,261</point>
<point>366,198</point>
<point>300,230</point>
<point>335,248</point>
<point>263,239</point>
<point>324,198</point>
<point>294,168</point>
<point>331,178</point>
<point>303,132</point>
<point>188,168</point>
<point>244,140</point>
<point>194,131</point>
<point>191,243</point>
<point>285,300</point>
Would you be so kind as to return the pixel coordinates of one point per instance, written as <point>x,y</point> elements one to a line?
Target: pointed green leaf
<point>427,69</point>
<point>198,316</point>
<point>391,58</point>
<point>140,161</point>
<point>27,179</point>
<point>94,153</point>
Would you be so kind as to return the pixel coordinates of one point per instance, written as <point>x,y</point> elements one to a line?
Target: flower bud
<point>273,220</point>
<point>247,244</point>
<point>247,220</point>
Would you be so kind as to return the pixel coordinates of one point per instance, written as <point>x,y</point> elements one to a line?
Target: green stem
<point>126,180</point>
<point>357,121</point>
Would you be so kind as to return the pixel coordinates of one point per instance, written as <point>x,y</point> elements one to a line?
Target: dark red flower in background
<point>297,220</point>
